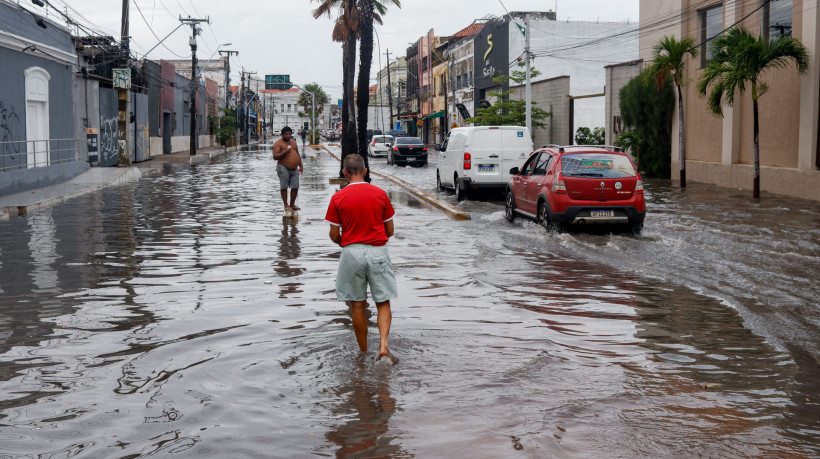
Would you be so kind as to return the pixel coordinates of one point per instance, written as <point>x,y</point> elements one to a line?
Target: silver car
<point>379,146</point>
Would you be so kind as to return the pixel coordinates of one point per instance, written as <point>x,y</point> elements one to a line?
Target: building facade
<point>39,144</point>
<point>721,150</point>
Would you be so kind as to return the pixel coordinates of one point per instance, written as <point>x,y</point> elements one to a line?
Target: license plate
<point>486,168</point>
<point>601,213</point>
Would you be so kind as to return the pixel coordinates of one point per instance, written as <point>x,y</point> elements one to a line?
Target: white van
<point>481,157</point>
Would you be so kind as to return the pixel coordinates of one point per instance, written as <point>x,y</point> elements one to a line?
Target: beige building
<point>721,150</point>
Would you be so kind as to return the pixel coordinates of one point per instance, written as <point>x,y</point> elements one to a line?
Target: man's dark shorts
<point>287,178</point>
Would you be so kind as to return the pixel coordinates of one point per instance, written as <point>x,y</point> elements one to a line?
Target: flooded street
<point>181,316</point>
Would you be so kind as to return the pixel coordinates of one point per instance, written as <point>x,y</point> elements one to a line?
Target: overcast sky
<point>277,36</point>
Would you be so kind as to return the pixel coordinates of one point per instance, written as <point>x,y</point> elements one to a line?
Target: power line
<point>155,35</point>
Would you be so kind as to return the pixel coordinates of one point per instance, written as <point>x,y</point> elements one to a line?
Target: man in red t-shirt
<point>361,221</point>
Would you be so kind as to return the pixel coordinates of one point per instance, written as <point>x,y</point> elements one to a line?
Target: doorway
<point>166,133</point>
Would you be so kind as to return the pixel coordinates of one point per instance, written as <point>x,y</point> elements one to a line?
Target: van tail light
<point>424,149</point>
<point>468,161</point>
<point>395,148</point>
<point>559,186</point>
<point>374,141</point>
<point>639,186</point>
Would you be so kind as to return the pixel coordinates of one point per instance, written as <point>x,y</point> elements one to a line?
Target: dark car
<point>371,133</point>
<point>407,150</point>
<point>397,133</point>
<point>577,185</point>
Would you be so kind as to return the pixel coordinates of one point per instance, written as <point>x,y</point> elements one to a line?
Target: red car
<point>577,185</point>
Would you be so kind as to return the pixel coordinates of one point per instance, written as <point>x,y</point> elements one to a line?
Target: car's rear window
<point>382,138</point>
<point>408,140</point>
<point>598,165</point>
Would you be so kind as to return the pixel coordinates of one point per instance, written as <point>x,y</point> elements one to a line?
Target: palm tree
<point>670,59</point>
<point>739,60</point>
<point>370,11</point>
<point>346,31</point>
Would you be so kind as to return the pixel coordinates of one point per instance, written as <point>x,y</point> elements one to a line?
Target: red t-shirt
<point>361,210</point>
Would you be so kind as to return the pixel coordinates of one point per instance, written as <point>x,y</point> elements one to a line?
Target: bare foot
<point>295,208</point>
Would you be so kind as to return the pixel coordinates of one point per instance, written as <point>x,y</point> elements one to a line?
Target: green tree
<point>225,125</point>
<point>305,102</point>
<point>585,136</point>
<point>630,141</point>
<point>669,59</point>
<point>506,111</point>
<point>739,59</point>
<point>648,112</point>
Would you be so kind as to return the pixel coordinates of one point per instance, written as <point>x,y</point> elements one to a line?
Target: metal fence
<point>25,154</point>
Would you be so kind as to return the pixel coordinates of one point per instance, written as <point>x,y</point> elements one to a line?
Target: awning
<point>439,114</point>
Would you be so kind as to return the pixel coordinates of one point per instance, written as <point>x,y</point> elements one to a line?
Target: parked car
<point>577,185</point>
<point>371,132</point>
<point>379,146</point>
<point>480,157</point>
<point>407,150</point>
<point>397,133</point>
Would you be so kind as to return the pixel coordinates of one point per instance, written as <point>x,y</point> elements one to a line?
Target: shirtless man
<point>288,160</point>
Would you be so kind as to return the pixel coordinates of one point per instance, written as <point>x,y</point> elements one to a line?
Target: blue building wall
<point>15,176</point>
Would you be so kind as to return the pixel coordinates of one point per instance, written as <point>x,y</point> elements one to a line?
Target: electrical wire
<point>155,34</point>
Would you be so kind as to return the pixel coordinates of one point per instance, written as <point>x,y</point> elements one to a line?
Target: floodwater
<point>181,316</point>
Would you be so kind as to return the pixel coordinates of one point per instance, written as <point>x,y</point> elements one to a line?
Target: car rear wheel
<point>438,182</point>
<point>459,190</point>
<point>509,208</point>
<point>545,220</point>
<point>637,228</point>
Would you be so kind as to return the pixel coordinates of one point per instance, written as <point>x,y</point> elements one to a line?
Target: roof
<point>471,29</point>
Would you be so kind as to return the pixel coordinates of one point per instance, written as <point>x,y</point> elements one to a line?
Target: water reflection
<point>368,406</point>
<point>285,266</point>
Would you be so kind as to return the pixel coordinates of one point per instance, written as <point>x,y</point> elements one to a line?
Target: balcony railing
<point>27,154</point>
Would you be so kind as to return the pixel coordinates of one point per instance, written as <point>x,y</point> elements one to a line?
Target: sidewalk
<point>97,178</point>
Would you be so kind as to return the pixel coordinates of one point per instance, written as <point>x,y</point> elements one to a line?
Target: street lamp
<point>312,113</point>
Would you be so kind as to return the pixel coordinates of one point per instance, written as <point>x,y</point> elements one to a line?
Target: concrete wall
<point>617,76</point>
<point>553,96</point>
<point>86,113</point>
<point>665,17</point>
<point>38,177</point>
<point>180,120</point>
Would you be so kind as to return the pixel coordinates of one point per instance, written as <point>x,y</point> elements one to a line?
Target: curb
<point>128,175</point>
<point>452,211</point>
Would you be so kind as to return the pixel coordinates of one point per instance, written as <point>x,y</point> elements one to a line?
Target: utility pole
<point>528,91</point>
<point>240,107</point>
<point>389,90</point>
<point>228,73</point>
<point>194,77</point>
<point>122,81</point>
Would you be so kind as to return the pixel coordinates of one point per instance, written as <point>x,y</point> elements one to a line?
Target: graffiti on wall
<point>11,134</point>
<point>108,141</point>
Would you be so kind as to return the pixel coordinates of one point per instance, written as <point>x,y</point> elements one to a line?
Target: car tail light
<point>374,142</point>
<point>468,161</point>
<point>639,186</point>
<point>424,149</point>
<point>395,148</point>
<point>559,186</point>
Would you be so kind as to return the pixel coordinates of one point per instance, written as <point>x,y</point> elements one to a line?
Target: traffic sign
<point>277,82</point>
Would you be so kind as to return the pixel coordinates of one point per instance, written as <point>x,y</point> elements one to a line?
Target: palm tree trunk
<point>365,60</point>
<point>682,140</point>
<point>349,145</point>
<point>756,189</point>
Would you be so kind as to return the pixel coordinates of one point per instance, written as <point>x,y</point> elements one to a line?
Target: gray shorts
<point>287,178</point>
<point>361,265</point>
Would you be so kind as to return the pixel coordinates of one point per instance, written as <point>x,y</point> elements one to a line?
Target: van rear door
<point>485,156</point>
<point>516,146</point>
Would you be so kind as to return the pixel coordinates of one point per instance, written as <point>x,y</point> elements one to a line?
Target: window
<point>283,108</point>
<point>542,165</point>
<point>289,107</point>
<point>711,24</point>
<point>458,82</point>
<point>777,18</point>
<point>529,167</point>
